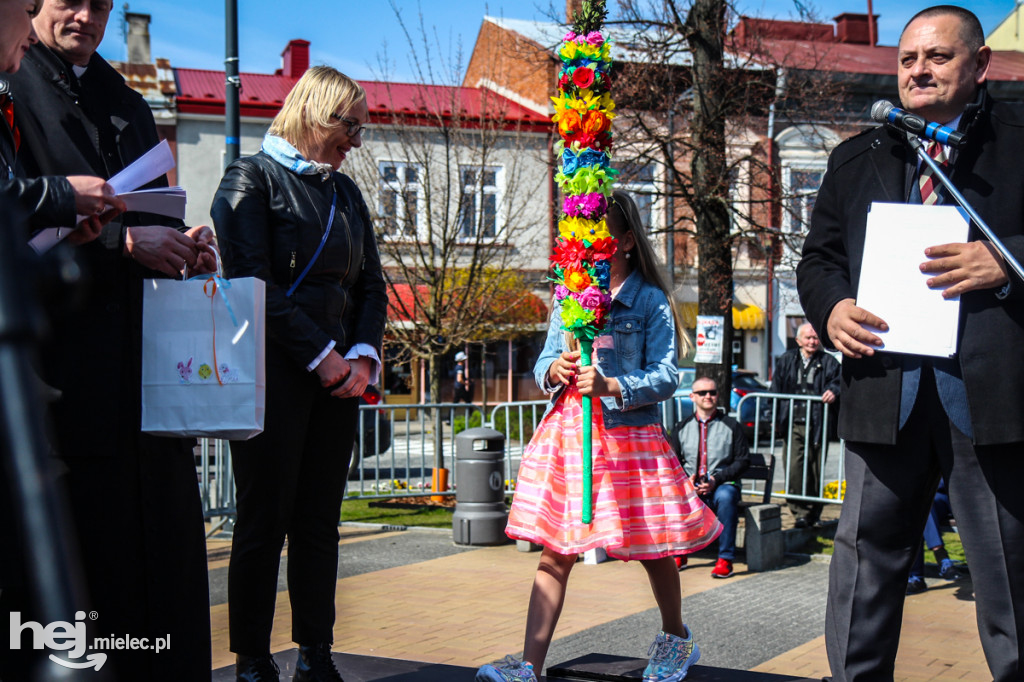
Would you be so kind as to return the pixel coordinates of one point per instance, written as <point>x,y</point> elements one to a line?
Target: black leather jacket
<point>47,201</point>
<point>269,223</point>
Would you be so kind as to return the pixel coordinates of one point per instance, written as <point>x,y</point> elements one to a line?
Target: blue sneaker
<point>509,670</point>
<point>671,657</point>
<point>916,585</point>
<point>948,570</point>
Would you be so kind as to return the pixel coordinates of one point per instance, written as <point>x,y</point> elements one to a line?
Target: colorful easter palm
<point>583,249</point>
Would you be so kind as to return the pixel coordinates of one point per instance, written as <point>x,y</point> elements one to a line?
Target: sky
<point>365,40</point>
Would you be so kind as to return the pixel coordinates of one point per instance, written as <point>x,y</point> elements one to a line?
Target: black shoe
<point>316,665</point>
<point>916,585</point>
<point>256,669</point>
<point>801,523</point>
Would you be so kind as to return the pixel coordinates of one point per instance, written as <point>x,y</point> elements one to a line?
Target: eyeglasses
<point>710,391</point>
<point>353,125</point>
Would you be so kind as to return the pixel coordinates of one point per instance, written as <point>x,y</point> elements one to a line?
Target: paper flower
<point>583,77</point>
<point>589,205</point>
<point>577,279</point>
<point>569,253</point>
<point>602,274</point>
<point>593,298</point>
<point>603,249</point>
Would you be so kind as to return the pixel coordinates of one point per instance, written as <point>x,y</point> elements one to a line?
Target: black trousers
<point>811,511</point>
<point>889,490</point>
<point>290,480</point>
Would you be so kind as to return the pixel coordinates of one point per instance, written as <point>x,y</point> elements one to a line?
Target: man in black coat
<point>909,419</point>
<point>805,370</point>
<point>134,497</point>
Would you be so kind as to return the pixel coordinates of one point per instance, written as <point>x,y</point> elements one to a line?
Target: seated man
<point>714,454</point>
<point>937,517</point>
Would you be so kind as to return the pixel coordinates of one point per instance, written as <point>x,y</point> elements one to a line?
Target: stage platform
<point>586,668</point>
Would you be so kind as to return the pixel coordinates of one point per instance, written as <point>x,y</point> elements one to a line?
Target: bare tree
<point>458,179</point>
<point>697,101</point>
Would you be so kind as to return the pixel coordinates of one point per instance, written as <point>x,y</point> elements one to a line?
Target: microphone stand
<point>915,144</point>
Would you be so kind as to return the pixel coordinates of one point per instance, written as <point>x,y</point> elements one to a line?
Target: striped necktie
<point>926,179</point>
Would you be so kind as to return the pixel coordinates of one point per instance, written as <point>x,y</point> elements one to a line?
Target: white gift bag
<point>203,352</point>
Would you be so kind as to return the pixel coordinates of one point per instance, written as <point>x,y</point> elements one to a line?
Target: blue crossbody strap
<point>327,232</point>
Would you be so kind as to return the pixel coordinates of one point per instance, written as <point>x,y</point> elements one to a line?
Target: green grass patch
<point>354,509</point>
<point>820,545</point>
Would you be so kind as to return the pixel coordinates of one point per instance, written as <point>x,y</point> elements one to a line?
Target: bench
<point>762,520</point>
<point>762,468</point>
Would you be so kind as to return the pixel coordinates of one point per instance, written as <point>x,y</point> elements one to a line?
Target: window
<point>801,191</point>
<point>637,178</point>
<point>400,199</point>
<point>800,187</point>
<point>478,205</point>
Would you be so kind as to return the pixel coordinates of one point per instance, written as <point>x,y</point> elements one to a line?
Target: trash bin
<point>480,515</point>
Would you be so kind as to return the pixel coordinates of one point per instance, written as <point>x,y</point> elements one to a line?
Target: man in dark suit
<point>134,498</point>
<point>910,419</point>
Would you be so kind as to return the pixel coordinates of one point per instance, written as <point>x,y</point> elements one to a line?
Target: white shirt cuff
<point>320,358</point>
<point>360,350</point>
<point>365,350</point>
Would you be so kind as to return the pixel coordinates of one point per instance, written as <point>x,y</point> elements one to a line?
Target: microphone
<point>884,112</point>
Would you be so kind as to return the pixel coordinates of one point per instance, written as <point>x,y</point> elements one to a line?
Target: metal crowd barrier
<point>773,435</point>
<point>407,442</point>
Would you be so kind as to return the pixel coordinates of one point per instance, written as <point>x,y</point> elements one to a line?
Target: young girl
<point>644,507</point>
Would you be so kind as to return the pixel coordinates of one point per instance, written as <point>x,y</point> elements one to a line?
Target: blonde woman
<point>287,216</point>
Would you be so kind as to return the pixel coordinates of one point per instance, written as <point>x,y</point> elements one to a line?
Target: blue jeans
<point>724,502</point>
<point>932,534</point>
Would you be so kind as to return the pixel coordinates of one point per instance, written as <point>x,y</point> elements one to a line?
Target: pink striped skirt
<point>644,505</point>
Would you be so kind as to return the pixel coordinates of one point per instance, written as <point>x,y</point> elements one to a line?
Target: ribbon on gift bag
<point>203,356</point>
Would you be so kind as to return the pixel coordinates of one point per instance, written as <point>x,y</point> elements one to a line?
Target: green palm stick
<point>586,347</point>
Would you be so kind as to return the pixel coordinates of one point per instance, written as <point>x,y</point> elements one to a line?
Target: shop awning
<point>744,316</point>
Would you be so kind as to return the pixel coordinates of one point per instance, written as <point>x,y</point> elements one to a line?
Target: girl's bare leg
<point>546,601</point>
<point>664,577</point>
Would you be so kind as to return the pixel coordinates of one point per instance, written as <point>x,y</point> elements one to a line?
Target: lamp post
<point>232,82</point>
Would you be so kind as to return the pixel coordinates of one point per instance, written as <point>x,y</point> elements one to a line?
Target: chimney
<point>853,28</point>
<point>295,58</point>
<point>571,7</point>
<point>138,38</point>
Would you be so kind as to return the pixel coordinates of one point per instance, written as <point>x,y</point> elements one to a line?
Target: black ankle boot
<point>316,665</point>
<point>256,669</point>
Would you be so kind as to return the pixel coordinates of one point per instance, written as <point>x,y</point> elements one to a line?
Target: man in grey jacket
<point>714,454</point>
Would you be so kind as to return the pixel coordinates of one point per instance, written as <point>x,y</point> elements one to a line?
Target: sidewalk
<point>414,595</point>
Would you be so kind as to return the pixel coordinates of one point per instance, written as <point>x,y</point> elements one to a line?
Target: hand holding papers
<point>892,285</point>
<point>168,201</point>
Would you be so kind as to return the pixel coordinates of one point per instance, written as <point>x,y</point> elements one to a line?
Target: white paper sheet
<point>145,169</point>
<point>892,285</point>
<point>168,201</point>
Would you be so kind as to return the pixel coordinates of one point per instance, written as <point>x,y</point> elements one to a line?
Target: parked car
<point>373,429</point>
<point>743,383</point>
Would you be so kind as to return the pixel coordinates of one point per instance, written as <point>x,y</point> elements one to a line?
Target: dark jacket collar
<point>62,74</point>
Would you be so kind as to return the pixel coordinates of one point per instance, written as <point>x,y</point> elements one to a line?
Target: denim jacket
<point>643,357</point>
